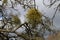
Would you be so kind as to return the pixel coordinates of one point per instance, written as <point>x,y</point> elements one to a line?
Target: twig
<point>49,4</point>
<point>55,12</point>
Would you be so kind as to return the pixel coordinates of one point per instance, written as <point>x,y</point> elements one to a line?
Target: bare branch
<point>23,4</point>
<point>49,4</point>
<point>55,12</point>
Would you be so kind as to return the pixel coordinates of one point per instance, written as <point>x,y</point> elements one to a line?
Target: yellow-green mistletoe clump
<point>16,19</point>
<point>34,17</point>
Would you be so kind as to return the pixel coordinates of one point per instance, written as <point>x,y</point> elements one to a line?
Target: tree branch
<point>49,4</point>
